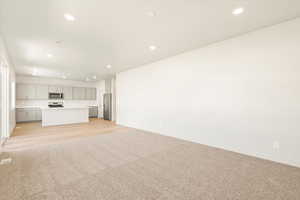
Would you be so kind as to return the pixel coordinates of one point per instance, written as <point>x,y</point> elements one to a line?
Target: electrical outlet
<point>5,161</point>
<point>276,145</point>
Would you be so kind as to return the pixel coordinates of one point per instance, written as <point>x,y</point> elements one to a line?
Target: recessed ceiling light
<point>108,66</point>
<point>152,48</point>
<point>238,11</point>
<point>49,55</point>
<point>64,77</point>
<point>69,17</point>
<point>94,77</point>
<point>150,14</point>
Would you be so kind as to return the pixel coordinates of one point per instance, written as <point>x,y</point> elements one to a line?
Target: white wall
<point>52,81</point>
<point>241,94</point>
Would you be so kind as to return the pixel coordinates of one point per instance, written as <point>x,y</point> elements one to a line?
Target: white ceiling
<point>119,32</point>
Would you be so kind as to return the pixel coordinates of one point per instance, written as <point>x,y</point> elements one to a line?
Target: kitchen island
<point>64,115</point>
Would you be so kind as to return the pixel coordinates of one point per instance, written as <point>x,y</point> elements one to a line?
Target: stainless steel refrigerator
<point>107,106</point>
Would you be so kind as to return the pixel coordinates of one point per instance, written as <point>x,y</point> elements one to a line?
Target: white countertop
<point>28,107</point>
<point>46,107</point>
<point>65,108</point>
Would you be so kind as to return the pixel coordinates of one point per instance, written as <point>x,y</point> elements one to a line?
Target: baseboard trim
<point>282,162</point>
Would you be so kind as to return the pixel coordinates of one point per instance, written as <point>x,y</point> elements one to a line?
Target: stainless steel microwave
<point>56,95</point>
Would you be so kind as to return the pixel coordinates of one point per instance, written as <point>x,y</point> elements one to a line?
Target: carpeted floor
<point>129,164</point>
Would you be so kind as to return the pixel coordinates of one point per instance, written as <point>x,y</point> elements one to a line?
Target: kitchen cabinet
<point>79,93</point>
<point>21,115</point>
<point>55,89</point>
<point>28,114</point>
<point>26,91</point>
<point>41,92</point>
<point>68,93</point>
<point>91,93</point>
<point>20,90</point>
<point>93,111</point>
<point>38,115</point>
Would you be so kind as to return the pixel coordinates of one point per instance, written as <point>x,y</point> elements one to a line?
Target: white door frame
<point>4,100</point>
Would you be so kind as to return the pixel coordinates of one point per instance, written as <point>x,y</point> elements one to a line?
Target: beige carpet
<point>134,165</point>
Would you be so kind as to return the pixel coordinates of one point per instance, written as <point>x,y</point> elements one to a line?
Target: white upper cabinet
<point>55,89</point>
<point>68,93</point>
<point>79,93</point>
<point>91,93</point>
<point>94,93</point>
<point>20,90</point>
<point>41,91</point>
<point>26,91</point>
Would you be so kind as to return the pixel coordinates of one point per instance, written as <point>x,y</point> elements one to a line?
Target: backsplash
<point>43,103</point>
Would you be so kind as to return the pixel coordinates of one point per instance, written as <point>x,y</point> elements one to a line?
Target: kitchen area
<point>61,102</point>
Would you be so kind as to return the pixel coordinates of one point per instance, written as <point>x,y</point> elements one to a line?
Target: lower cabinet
<point>28,114</point>
<point>38,115</point>
<point>93,111</point>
